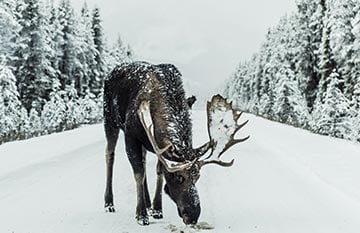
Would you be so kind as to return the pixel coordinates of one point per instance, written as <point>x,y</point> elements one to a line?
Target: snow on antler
<point>222,125</point>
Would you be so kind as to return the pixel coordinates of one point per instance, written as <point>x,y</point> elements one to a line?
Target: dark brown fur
<point>125,89</point>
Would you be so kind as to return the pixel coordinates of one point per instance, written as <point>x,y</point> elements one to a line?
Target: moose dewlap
<point>147,102</point>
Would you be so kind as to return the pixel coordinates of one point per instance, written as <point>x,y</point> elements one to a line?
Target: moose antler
<point>222,127</point>
<point>147,123</point>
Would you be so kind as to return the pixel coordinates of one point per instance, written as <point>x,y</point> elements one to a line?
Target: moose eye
<point>180,178</point>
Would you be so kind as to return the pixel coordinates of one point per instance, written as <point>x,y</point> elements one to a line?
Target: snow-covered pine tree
<point>9,27</point>
<point>56,39</point>
<point>326,59</point>
<point>333,116</point>
<point>24,125</point>
<point>12,117</point>
<point>100,68</point>
<point>341,40</point>
<point>70,45</point>
<point>73,116</point>
<point>89,108</point>
<point>31,57</point>
<point>232,89</point>
<point>53,115</point>
<point>305,56</point>
<point>355,58</point>
<point>290,105</point>
<point>253,84</point>
<point>35,125</point>
<point>80,67</point>
<point>304,44</point>
<point>119,53</point>
<point>263,74</point>
<point>52,50</point>
<point>309,33</point>
<point>99,110</point>
<point>281,50</point>
<point>89,52</point>
<point>247,100</point>
<point>355,111</point>
<point>355,133</point>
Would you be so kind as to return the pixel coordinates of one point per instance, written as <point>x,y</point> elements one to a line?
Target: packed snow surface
<point>283,180</point>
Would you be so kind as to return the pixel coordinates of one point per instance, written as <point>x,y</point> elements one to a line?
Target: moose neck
<point>170,114</point>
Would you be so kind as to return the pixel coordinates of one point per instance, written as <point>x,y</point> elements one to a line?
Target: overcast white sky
<point>205,39</point>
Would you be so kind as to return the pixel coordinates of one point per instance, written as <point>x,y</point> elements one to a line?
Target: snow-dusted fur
<point>126,88</point>
<point>162,85</point>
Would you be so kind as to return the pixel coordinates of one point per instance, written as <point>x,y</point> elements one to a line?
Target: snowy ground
<point>283,180</point>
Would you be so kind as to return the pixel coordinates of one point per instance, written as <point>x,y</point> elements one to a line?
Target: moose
<point>147,102</point>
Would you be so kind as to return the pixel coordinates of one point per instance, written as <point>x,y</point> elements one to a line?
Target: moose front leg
<point>146,190</point>
<point>111,136</point>
<point>157,202</point>
<point>136,157</point>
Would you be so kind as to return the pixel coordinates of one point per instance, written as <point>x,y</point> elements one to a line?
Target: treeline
<point>307,72</point>
<point>52,64</point>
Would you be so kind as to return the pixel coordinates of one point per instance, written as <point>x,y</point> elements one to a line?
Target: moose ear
<point>190,101</point>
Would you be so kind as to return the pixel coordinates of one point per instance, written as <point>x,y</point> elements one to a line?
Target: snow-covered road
<point>283,180</point>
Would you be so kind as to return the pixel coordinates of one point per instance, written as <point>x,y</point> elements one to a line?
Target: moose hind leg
<point>111,136</point>
<point>136,157</point>
<point>157,202</point>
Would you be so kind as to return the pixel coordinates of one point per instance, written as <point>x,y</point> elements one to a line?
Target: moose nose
<point>187,220</point>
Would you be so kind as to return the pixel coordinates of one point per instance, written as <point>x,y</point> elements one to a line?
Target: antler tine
<point>238,127</point>
<point>231,143</point>
<point>235,141</point>
<point>237,115</point>
<point>145,109</point>
<point>218,162</point>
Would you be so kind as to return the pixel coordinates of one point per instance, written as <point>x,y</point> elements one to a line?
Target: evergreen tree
<point>309,62</point>
<point>73,116</point>
<point>53,115</point>
<point>309,33</point>
<point>56,40</point>
<point>53,66</point>
<point>119,53</point>
<point>290,106</point>
<point>31,58</point>
<point>89,108</point>
<point>9,26</point>
<point>69,46</point>
<point>99,70</point>
<point>355,113</point>
<point>326,63</point>
<point>89,52</point>
<point>12,115</point>
<point>342,39</point>
<point>355,58</point>
<point>332,118</point>
<point>35,126</point>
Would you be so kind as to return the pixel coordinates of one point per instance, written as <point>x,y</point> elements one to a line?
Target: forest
<point>52,64</point>
<point>307,72</point>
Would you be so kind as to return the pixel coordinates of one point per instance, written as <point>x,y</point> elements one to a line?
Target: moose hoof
<point>157,214</point>
<point>109,207</point>
<point>142,220</point>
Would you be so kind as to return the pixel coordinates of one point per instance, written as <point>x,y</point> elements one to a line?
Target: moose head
<point>182,176</point>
